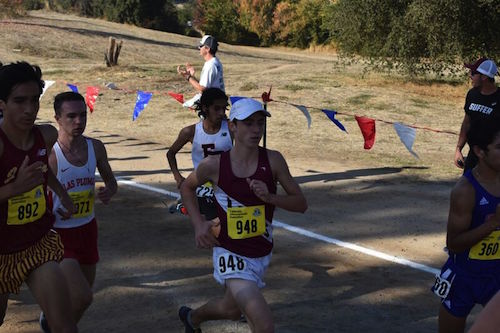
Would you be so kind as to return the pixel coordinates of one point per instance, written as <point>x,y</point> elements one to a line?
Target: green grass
<point>359,99</point>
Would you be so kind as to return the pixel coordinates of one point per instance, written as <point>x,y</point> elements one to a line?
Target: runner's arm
<point>462,139</point>
<point>185,135</point>
<point>458,237</point>
<point>207,170</point>
<point>104,193</point>
<point>488,319</point>
<point>50,134</point>
<point>294,199</point>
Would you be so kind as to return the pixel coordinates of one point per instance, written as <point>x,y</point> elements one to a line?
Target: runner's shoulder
<point>49,134</point>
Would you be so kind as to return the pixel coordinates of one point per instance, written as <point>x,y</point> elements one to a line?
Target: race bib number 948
<point>229,263</point>
<point>246,222</point>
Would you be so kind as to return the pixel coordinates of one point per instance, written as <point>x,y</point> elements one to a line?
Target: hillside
<point>70,49</point>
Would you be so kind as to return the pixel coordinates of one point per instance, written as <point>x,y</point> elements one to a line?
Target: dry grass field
<point>382,199</point>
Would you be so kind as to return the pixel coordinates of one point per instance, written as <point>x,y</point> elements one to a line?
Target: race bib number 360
<point>487,249</point>
<point>441,287</point>
<point>27,207</point>
<point>84,203</point>
<point>246,222</point>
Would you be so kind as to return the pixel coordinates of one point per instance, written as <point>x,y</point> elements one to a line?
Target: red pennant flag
<point>178,97</point>
<point>367,126</point>
<point>266,96</point>
<point>91,96</point>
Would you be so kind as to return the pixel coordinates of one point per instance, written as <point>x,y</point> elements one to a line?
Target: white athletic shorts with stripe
<point>228,265</point>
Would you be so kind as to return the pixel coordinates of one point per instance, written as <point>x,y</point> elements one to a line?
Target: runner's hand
<point>494,219</point>
<point>259,188</point>
<point>459,159</point>
<point>30,176</point>
<point>69,207</point>
<point>204,237</point>
<point>104,194</point>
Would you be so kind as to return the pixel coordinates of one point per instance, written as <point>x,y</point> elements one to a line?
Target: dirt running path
<point>150,267</point>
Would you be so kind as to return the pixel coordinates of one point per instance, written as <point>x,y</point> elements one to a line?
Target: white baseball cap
<point>488,68</point>
<point>244,108</point>
<point>209,41</point>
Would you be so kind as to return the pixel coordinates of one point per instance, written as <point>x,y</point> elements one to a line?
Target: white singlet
<point>79,181</point>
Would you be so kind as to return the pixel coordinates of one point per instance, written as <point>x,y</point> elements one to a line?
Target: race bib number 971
<point>27,207</point>
<point>84,203</point>
<point>246,222</point>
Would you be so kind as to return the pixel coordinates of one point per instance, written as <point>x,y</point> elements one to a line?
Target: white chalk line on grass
<point>310,234</point>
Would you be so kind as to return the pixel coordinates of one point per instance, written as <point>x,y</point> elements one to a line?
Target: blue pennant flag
<point>142,100</point>
<point>331,114</point>
<point>233,99</point>
<point>72,87</point>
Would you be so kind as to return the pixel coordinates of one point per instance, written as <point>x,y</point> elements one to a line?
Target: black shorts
<point>207,207</point>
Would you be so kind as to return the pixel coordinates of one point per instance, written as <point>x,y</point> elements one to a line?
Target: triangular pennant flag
<point>407,136</point>
<point>178,97</point>
<point>48,83</point>
<point>305,112</point>
<point>331,114</point>
<point>233,99</point>
<point>367,126</point>
<point>72,87</point>
<point>91,96</point>
<point>141,102</point>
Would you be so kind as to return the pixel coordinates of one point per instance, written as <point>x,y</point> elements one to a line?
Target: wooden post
<point>117,52</point>
<point>113,52</point>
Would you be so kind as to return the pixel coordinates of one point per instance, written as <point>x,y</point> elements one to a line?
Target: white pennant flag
<point>48,83</point>
<point>305,112</point>
<point>407,136</point>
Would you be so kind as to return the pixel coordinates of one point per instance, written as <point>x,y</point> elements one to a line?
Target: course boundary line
<point>309,234</point>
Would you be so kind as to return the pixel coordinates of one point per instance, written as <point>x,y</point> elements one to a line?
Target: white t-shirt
<point>212,76</point>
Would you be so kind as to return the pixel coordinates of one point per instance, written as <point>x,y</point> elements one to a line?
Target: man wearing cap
<point>481,104</point>
<point>211,73</point>
<point>245,181</point>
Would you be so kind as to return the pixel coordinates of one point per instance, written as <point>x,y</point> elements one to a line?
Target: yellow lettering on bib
<point>84,203</point>
<point>487,249</point>
<point>27,207</point>
<point>246,222</point>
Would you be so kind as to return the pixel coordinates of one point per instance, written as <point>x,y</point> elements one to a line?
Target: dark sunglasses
<point>474,72</point>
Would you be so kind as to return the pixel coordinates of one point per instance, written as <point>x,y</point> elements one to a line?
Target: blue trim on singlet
<point>484,205</point>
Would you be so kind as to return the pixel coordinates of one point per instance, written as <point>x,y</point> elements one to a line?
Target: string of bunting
<point>406,133</point>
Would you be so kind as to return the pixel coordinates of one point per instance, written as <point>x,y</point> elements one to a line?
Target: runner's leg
<point>448,323</point>
<point>49,287</point>
<point>79,288</point>
<point>216,309</point>
<point>252,303</point>
<point>3,306</point>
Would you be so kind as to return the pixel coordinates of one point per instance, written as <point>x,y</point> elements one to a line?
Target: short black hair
<point>482,133</point>
<point>17,73</point>
<point>208,97</point>
<point>66,97</point>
